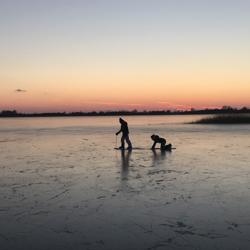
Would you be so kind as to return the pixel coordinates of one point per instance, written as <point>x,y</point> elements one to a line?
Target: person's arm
<point>153,146</point>
<point>117,133</point>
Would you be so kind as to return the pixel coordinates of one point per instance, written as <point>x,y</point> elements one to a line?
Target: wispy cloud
<point>187,106</point>
<point>113,103</point>
<point>174,105</point>
<point>20,90</point>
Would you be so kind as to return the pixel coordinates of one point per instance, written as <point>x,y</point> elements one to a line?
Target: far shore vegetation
<point>216,111</point>
<point>225,119</point>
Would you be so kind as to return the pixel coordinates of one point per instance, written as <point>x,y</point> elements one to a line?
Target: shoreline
<point>124,113</point>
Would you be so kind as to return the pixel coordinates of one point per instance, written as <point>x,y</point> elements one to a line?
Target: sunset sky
<point>58,55</point>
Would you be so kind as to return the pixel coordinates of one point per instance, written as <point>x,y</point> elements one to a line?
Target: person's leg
<point>128,142</point>
<point>122,141</point>
<point>163,146</point>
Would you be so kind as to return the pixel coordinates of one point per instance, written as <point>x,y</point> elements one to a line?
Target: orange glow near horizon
<point>155,90</point>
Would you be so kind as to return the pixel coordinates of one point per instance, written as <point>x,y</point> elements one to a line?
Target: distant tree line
<point>223,110</point>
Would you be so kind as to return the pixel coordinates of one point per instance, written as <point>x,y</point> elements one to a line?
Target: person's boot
<point>129,145</point>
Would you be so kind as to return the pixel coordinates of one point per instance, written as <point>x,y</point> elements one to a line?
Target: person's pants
<point>126,138</point>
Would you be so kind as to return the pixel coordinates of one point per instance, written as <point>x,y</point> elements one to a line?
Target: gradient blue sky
<point>84,55</point>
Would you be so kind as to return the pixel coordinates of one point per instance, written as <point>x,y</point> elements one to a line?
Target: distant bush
<point>8,113</point>
<point>225,119</point>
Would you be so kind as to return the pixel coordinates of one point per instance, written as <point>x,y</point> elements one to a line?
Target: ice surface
<point>63,186</point>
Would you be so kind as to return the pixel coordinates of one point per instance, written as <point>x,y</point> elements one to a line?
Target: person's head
<point>121,120</point>
<point>154,137</point>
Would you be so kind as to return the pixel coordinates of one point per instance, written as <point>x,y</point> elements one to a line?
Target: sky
<point>84,55</point>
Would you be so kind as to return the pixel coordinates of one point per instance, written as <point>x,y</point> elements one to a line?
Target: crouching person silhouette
<point>162,141</point>
<point>125,134</point>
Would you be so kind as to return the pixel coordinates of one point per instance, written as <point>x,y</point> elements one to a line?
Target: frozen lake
<point>63,186</point>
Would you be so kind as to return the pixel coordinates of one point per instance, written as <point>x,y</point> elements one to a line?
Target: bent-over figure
<point>162,141</point>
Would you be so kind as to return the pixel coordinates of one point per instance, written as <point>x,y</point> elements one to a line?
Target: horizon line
<point>124,111</point>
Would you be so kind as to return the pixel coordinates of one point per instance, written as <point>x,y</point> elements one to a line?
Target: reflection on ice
<point>158,156</point>
<point>125,160</point>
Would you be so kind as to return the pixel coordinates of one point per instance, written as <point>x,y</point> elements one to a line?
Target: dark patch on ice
<point>101,197</point>
<point>3,237</point>
<point>184,229</point>
<point>40,213</point>
<point>56,196</point>
<point>101,242</point>
<point>184,232</point>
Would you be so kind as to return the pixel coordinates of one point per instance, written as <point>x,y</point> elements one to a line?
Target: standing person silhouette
<point>125,134</point>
